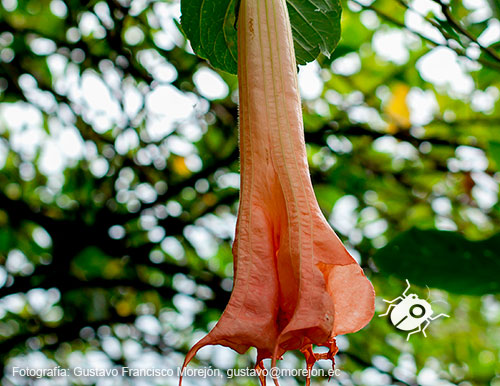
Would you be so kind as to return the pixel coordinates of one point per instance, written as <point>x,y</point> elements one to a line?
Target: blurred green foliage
<point>119,183</point>
<point>443,259</point>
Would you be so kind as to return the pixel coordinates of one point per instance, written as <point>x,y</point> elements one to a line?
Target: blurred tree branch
<point>461,29</point>
<point>459,51</point>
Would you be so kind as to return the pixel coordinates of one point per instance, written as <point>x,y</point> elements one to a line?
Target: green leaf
<point>494,148</point>
<point>447,28</point>
<point>445,260</point>
<point>90,263</point>
<point>315,27</point>
<point>210,27</point>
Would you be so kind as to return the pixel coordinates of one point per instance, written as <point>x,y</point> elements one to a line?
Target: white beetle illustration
<point>411,313</point>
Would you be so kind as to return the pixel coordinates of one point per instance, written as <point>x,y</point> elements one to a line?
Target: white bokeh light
<point>210,84</point>
<point>442,67</point>
<point>310,83</point>
<point>390,44</point>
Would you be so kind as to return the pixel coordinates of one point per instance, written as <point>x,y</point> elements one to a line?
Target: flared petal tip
<point>205,341</point>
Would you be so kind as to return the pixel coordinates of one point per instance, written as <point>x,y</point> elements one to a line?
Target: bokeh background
<point>119,184</point>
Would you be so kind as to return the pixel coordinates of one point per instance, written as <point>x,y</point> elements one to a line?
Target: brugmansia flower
<point>295,284</point>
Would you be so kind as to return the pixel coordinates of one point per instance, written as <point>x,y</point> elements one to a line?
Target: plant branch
<point>493,65</point>
<point>458,27</point>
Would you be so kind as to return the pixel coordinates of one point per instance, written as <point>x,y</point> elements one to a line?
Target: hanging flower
<point>295,284</point>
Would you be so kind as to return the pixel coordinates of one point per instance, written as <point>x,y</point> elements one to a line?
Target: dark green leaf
<point>90,263</point>
<point>315,27</point>
<point>443,260</point>
<point>447,28</point>
<point>210,27</point>
<point>495,152</point>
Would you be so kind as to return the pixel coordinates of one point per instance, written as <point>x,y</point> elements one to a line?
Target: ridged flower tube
<point>295,284</point>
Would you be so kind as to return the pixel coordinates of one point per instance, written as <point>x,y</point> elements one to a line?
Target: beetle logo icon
<point>411,313</point>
